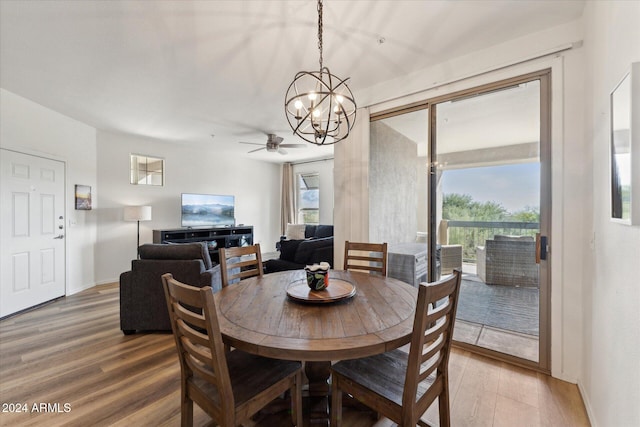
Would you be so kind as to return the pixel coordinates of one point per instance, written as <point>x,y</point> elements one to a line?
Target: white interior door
<point>32,252</point>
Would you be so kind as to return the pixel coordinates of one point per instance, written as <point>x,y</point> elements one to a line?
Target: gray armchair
<point>508,260</point>
<point>142,302</point>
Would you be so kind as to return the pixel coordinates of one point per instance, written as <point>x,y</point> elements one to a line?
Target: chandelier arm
<point>326,127</point>
<point>300,122</point>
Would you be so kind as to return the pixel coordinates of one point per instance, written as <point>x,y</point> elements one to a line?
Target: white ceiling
<point>183,70</point>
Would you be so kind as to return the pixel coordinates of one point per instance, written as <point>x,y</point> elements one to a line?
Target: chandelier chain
<point>320,31</point>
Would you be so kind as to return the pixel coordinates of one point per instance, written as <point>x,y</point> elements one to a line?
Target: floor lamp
<point>137,213</point>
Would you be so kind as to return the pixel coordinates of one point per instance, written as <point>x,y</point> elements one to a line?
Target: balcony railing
<point>470,234</point>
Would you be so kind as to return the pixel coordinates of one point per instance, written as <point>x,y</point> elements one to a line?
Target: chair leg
<point>443,406</point>
<point>336,403</point>
<point>296,401</point>
<point>186,412</point>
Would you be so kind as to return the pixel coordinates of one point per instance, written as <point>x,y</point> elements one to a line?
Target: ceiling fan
<point>274,144</point>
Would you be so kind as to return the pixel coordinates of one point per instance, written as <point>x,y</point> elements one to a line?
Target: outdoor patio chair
<point>508,260</point>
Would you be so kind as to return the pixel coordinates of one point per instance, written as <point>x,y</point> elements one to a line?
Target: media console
<point>215,237</point>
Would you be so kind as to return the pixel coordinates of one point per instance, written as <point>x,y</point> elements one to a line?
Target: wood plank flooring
<point>68,363</point>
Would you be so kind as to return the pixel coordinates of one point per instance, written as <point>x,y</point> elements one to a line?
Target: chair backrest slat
<point>194,339</point>
<point>239,263</point>
<point>432,350</point>
<point>371,257</point>
<point>426,371</point>
<point>431,338</point>
<point>199,353</point>
<point>190,317</point>
<point>436,330</point>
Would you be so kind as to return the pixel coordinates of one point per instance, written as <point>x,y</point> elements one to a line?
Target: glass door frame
<point>544,76</point>
<point>544,348</point>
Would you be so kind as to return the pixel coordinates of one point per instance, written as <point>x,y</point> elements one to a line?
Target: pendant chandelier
<point>319,105</point>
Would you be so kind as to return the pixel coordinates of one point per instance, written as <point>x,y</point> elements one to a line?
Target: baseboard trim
<point>107,282</point>
<point>93,285</point>
<point>587,404</point>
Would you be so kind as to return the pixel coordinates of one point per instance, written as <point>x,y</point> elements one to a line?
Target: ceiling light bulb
<point>298,104</point>
<point>339,98</point>
<point>312,96</point>
<point>316,113</point>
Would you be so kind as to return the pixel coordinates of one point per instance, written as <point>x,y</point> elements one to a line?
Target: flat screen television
<point>207,210</point>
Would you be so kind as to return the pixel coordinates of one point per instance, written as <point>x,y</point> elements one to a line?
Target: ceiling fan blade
<point>293,145</point>
<point>249,143</point>
<point>278,139</point>
<point>257,149</point>
<point>281,151</point>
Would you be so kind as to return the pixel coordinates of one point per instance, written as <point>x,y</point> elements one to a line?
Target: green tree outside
<point>462,207</point>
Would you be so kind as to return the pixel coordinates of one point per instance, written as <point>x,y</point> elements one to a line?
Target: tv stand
<point>215,237</point>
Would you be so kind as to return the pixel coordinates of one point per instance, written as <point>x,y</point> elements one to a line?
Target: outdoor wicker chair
<point>508,260</point>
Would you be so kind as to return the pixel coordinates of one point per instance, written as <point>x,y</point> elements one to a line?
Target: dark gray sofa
<point>295,254</point>
<point>142,302</point>
<point>312,232</point>
<point>318,231</point>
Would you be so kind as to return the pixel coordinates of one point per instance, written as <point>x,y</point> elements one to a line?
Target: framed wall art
<point>625,148</point>
<point>83,197</point>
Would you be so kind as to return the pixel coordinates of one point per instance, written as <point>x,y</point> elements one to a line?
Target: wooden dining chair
<point>239,263</point>
<point>370,257</point>
<point>229,386</point>
<point>402,386</point>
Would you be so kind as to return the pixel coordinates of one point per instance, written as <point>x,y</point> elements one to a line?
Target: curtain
<point>286,208</point>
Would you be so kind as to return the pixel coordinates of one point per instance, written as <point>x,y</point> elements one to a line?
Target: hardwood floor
<point>68,363</point>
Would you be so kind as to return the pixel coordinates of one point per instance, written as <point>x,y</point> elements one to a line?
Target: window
<point>308,202</point>
<point>146,170</point>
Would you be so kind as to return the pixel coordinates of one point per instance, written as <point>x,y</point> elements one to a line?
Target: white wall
<point>33,129</point>
<point>610,378</point>
<point>325,169</point>
<point>255,185</point>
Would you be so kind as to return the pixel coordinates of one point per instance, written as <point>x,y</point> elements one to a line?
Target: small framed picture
<point>83,197</point>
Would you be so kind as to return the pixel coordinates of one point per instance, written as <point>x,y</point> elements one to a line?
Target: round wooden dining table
<point>259,316</point>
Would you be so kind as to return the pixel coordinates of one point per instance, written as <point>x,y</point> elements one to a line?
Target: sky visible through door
<point>516,187</point>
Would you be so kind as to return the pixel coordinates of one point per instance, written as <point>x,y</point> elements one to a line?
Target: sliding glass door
<point>463,182</point>
<point>490,203</point>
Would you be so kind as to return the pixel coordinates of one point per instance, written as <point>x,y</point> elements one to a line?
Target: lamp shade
<point>137,213</point>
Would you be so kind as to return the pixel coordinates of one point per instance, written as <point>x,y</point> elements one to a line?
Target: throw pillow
<point>309,231</point>
<point>295,231</point>
<point>288,249</point>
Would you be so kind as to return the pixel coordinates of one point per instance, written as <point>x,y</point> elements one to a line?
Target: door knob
<point>59,236</point>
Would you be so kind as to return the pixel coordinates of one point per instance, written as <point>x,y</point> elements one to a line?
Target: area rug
<point>505,307</point>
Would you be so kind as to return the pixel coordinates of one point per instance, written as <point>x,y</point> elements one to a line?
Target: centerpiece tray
<point>337,290</point>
